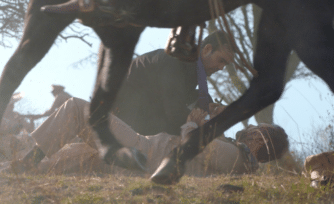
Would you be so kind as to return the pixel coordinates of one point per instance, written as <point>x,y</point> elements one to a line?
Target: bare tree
<point>12,14</point>
<point>11,20</point>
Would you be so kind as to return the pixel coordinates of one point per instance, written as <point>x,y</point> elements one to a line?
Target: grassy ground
<point>124,189</point>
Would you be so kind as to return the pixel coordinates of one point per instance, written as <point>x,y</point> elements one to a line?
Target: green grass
<point>282,188</point>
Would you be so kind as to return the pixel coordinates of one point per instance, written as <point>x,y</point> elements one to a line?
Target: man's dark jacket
<point>155,95</point>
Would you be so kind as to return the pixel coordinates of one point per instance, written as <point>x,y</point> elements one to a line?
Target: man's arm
<point>59,100</point>
<point>56,104</point>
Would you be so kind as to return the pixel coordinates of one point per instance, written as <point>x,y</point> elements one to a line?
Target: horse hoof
<point>128,158</point>
<point>169,172</point>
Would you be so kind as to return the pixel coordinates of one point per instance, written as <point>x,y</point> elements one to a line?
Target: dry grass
<point>263,188</point>
<point>271,184</point>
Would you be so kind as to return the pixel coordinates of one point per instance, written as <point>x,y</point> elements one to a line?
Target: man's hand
<point>198,115</point>
<point>32,117</point>
<point>215,109</point>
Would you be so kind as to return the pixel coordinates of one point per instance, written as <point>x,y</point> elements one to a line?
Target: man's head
<point>216,52</point>
<point>266,142</point>
<point>56,89</point>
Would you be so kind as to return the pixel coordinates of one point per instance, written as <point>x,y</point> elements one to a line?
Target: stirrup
<point>90,5</point>
<point>181,43</point>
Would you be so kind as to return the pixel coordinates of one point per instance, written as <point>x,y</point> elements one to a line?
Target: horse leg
<point>117,52</point>
<point>39,34</point>
<point>270,60</point>
<point>318,53</point>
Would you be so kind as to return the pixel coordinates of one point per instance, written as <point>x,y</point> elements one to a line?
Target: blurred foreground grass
<point>282,188</point>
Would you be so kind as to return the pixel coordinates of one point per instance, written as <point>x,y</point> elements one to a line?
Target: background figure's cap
<point>57,87</point>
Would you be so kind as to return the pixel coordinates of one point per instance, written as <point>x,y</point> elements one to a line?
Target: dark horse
<point>301,25</point>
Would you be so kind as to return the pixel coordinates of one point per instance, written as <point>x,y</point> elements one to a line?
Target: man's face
<point>214,61</point>
<point>55,92</point>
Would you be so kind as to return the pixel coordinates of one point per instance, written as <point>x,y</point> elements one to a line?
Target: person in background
<point>60,96</point>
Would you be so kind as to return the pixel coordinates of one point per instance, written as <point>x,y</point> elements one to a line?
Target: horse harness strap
<point>86,6</point>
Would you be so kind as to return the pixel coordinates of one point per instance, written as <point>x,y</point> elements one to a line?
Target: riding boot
<point>34,156</point>
<point>30,161</point>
